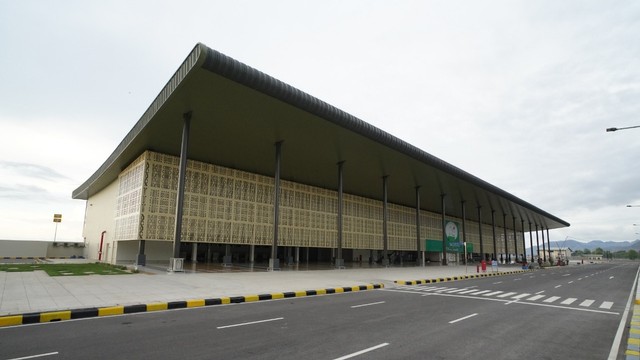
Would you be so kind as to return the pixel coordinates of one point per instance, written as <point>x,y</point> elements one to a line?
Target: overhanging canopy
<point>239,113</point>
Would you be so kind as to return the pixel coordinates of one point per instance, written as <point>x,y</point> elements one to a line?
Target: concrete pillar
<point>544,252</point>
<point>274,262</point>
<point>507,255</point>
<point>418,240</point>
<point>339,259</point>
<point>385,217</point>
<point>141,258</point>
<point>176,265</point>
<point>464,231</point>
<point>444,233</point>
<point>515,238</point>
<point>252,253</point>
<point>537,243</point>
<point>493,225</point>
<point>194,253</point>
<point>480,232</point>
<point>227,259</point>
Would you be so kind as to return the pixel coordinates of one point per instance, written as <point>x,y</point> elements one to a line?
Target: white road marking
<point>606,305</point>
<point>480,292</point>
<point>362,352</point>
<point>369,304</point>
<point>462,318</point>
<point>610,277</point>
<point>539,292</point>
<point>35,356</point>
<point>441,290</point>
<point>570,282</point>
<point>551,299</point>
<point>497,282</point>
<point>587,303</point>
<point>468,291</point>
<point>579,279</point>
<point>537,297</point>
<point>557,286</point>
<point>569,301</point>
<point>249,323</point>
<point>506,302</point>
<point>456,291</point>
<point>493,293</point>
<point>518,297</point>
<point>566,275</point>
<point>506,294</point>
<point>518,279</point>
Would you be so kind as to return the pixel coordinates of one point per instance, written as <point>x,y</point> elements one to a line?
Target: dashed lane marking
<point>506,294</point>
<point>493,293</point>
<point>569,301</point>
<point>537,297</point>
<point>587,303</point>
<point>551,299</point>
<point>606,305</point>
<point>518,297</point>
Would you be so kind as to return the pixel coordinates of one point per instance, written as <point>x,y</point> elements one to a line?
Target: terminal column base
<point>274,265</point>
<point>339,263</point>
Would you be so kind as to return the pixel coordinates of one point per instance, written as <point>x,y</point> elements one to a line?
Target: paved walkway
<point>27,292</point>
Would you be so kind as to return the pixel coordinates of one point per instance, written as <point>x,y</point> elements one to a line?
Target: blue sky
<point>518,93</point>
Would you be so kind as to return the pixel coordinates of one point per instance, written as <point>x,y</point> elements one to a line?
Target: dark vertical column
<point>141,259</point>
<point>464,232</point>
<point>537,243</point>
<point>182,174</point>
<point>549,244</point>
<point>274,262</point>
<point>444,233</point>
<point>531,242</point>
<point>493,224</point>
<point>418,252</point>
<point>515,238</point>
<point>544,252</point>
<point>385,218</point>
<point>227,258</point>
<point>507,255</point>
<point>524,242</point>
<point>480,232</point>
<point>339,259</point>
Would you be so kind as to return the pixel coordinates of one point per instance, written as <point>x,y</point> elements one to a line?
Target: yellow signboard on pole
<point>57,218</point>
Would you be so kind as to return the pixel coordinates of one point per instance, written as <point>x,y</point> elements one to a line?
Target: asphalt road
<point>564,313</point>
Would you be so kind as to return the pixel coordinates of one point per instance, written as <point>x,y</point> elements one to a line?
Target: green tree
<point>586,251</point>
<point>632,254</point>
<point>598,251</point>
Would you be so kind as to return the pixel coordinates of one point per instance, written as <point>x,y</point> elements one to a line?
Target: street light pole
<point>612,129</point>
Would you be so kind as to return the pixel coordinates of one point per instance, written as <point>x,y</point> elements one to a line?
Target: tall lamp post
<point>612,129</point>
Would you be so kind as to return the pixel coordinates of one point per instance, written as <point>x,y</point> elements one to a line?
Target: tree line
<point>606,254</point>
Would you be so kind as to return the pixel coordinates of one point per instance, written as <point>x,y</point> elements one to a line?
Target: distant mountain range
<point>612,246</point>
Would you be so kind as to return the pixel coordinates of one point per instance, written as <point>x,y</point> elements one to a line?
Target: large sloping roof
<point>238,113</point>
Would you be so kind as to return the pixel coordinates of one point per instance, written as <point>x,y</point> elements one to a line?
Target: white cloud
<point>516,92</point>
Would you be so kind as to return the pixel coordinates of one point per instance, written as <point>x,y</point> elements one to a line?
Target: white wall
<point>99,217</point>
<point>15,248</point>
<point>38,249</point>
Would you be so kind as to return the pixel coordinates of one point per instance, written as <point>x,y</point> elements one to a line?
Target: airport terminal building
<point>231,165</point>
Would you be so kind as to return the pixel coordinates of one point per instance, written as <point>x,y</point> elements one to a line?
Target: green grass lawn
<point>68,269</point>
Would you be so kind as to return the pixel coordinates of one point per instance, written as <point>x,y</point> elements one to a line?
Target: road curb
<point>456,278</point>
<point>52,316</point>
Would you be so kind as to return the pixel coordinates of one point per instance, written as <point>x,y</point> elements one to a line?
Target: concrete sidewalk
<point>28,292</point>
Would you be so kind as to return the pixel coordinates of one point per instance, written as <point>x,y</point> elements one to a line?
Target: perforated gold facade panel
<point>224,205</point>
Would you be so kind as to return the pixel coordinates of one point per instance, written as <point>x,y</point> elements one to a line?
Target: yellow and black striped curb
<point>43,317</point>
<point>455,278</point>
